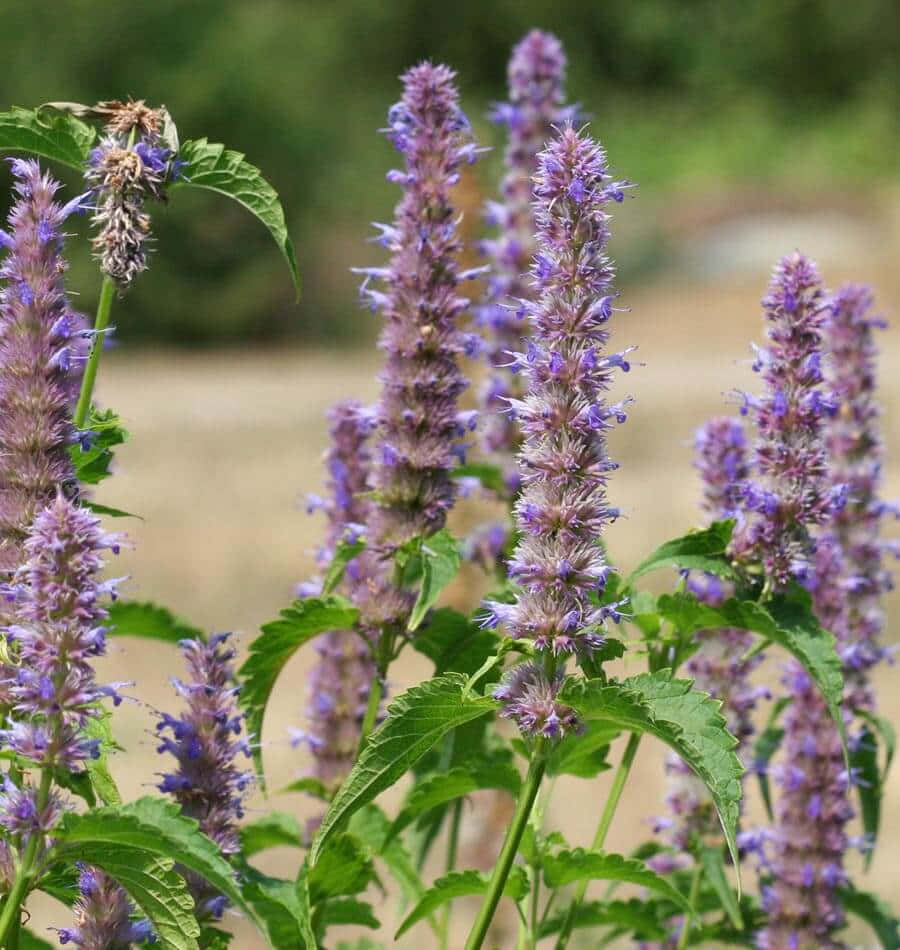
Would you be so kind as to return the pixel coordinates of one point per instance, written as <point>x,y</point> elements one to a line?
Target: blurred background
<point>751,129</point>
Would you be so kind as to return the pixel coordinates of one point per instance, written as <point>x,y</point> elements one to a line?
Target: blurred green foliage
<point>686,94</point>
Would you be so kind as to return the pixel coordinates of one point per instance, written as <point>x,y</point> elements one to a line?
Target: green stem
<point>508,851</point>
<point>692,900</point>
<point>368,723</point>
<point>452,848</point>
<point>9,917</point>
<point>609,809</point>
<point>101,322</point>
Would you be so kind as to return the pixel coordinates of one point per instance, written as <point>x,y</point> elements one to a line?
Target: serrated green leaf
<point>885,730</point>
<point>131,618</point>
<point>490,476</point>
<point>453,642</point>
<point>346,910</point>
<point>685,719</point>
<point>343,555</point>
<point>582,754</point>
<point>440,564</point>
<point>216,168</point>
<point>416,721</point>
<point>273,829</point>
<point>53,135</point>
<point>636,916</point>
<point>343,868</point>
<point>282,906</point>
<point>864,760</point>
<point>93,465</point>
<point>875,912</point>
<point>714,869</point>
<point>279,641</point>
<point>698,551</point>
<point>104,785</point>
<point>150,881</point>
<point>157,827</point>
<point>438,789</point>
<point>461,884</point>
<point>566,867</point>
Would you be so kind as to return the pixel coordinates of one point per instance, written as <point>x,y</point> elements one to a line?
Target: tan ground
<point>224,444</point>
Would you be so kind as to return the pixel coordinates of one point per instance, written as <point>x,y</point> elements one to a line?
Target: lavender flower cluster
<point>205,742</point>
<point>105,917</point>
<point>562,509</point>
<point>535,109</point>
<point>41,346</point>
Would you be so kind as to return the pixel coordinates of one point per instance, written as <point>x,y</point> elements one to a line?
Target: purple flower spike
<point>788,499</point>
<point>417,412</point>
<point>562,509</point>
<point>205,742</point>
<point>810,838</point>
<point>38,387</point>
<point>103,915</point>
<point>536,74</point>
<point>720,456</point>
<point>529,698</point>
<point>340,682</point>
<point>58,613</point>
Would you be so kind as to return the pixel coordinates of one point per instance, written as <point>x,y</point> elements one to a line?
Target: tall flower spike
<point>563,510</point>
<point>536,73</point>
<point>40,349</point>
<point>131,164</point>
<point>789,497</point>
<point>340,682</point>
<point>810,838</point>
<point>204,741</point>
<point>419,425</point>
<point>719,666</point>
<point>57,634</point>
<point>103,915</point>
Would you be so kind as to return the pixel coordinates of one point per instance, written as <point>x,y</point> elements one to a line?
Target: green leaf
<point>279,641</point>
<point>685,719</point>
<point>875,912</point>
<point>343,555</point>
<point>29,941</point>
<point>490,476</point>
<point>714,868</point>
<point>443,787</point>
<point>453,642</point>
<point>566,867</point>
<point>583,754</point>
<point>346,910</point>
<point>99,509</point>
<point>214,167</point>
<point>699,551</point>
<point>282,906</point>
<point>311,786</point>
<point>157,827</point>
<point>764,748</point>
<point>343,868</point>
<point>93,465</point>
<point>150,881</point>
<point>864,759</point>
<point>440,564</point>
<point>130,618</point>
<point>54,135</point>
<point>273,829</point>
<point>635,915</point>
<point>885,730</point>
<point>102,782</point>
<point>461,884</point>
<point>211,938</point>
<point>416,721</point>
<point>372,827</point>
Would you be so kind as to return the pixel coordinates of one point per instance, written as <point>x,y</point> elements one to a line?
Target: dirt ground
<point>225,444</point>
